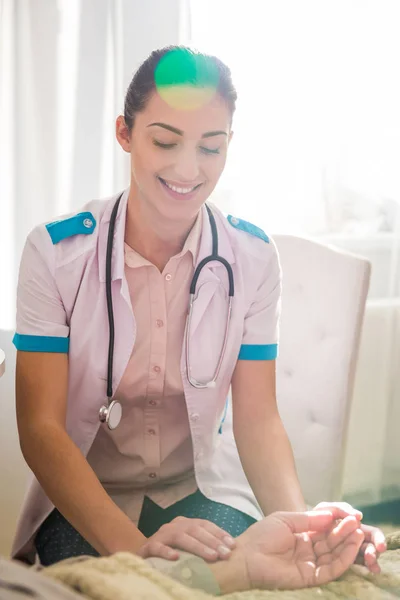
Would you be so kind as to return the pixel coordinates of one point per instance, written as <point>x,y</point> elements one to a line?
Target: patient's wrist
<point>189,570</point>
<point>231,574</point>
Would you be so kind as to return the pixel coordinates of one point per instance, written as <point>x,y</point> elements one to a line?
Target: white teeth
<point>179,190</point>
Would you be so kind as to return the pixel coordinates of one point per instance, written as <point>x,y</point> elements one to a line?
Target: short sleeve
<point>261,326</point>
<point>41,318</point>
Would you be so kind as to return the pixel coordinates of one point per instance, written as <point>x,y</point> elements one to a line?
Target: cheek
<point>214,167</point>
<point>146,162</point>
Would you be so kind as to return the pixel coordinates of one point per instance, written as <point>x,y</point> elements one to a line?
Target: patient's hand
<point>374,543</point>
<point>278,553</point>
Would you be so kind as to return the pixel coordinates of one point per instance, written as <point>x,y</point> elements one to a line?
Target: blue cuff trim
<point>258,352</point>
<point>83,223</point>
<point>41,343</point>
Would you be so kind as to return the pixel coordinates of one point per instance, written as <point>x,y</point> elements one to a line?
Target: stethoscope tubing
<point>106,410</point>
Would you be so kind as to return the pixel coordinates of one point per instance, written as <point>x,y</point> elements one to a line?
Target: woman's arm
<point>60,467</point>
<point>72,485</point>
<point>261,439</point>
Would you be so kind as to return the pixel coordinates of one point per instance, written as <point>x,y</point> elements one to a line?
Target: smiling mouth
<point>179,189</point>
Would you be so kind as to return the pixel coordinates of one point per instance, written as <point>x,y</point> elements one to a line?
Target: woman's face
<point>177,155</point>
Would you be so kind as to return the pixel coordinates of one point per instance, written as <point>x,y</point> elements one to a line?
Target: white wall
<point>13,470</point>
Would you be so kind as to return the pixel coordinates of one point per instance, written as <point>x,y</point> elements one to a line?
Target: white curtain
<point>64,68</point>
<point>316,151</point>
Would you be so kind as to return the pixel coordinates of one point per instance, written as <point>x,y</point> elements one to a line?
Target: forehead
<point>188,112</point>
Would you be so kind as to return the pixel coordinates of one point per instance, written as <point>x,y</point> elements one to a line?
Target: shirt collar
<point>133,259</point>
<point>192,242</point>
<point>198,242</point>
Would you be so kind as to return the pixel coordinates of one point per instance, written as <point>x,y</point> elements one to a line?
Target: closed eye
<point>162,145</point>
<point>209,150</point>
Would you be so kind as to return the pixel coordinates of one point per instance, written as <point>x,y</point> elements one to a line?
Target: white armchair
<point>323,302</point>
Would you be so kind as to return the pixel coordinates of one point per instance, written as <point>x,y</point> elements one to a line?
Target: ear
<point>230,137</point>
<point>122,134</point>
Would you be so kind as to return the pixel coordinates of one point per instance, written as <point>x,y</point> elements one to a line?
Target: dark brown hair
<point>144,82</point>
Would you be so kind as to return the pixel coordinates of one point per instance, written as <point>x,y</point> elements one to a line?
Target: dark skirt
<point>57,540</point>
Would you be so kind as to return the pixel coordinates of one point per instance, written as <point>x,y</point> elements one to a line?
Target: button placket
<point>155,387</point>
<point>158,347</point>
<point>152,439</point>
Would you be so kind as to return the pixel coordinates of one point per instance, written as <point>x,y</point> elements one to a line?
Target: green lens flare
<point>186,79</point>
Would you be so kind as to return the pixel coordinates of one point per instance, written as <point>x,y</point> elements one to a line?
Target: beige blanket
<point>127,577</point>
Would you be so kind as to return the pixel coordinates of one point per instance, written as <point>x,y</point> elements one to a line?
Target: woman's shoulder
<point>72,233</point>
<point>81,221</point>
<point>247,239</point>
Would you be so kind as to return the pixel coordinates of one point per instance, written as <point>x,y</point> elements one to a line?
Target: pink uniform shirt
<point>151,452</point>
<point>61,307</point>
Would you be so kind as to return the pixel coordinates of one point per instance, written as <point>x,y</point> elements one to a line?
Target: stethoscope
<point>111,413</point>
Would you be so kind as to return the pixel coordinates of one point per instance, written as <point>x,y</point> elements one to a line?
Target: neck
<point>151,235</point>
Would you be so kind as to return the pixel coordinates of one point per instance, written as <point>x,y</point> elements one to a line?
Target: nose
<point>187,165</point>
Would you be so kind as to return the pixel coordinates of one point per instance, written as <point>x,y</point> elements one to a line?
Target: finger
<point>375,536</point>
<point>329,556</point>
<point>344,509</point>
<point>335,537</point>
<point>343,558</point>
<point>188,524</point>
<point>186,542</point>
<point>316,536</point>
<point>154,548</point>
<point>200,533</point>
<point>371,559</point>
<point>219,533</point>
<point>368,556</point>
<point>305,521</point>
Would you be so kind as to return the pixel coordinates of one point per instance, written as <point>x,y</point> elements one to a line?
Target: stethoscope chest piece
<point>111,415</point>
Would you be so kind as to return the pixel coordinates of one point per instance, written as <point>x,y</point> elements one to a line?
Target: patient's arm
<point>275,553</point>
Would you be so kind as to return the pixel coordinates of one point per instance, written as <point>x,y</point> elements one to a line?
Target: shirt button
<point>151,432</point>
<point>234,221</point>
<point>88,223</point>
<point>156,369</point>
<point>159,323</point>
<point>152,403</point>
<point>152,475</point>
<point>195,416</point>
<point>168,277</point>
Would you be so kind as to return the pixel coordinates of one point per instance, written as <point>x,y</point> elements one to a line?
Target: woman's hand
<point>198,536</point>
<point>374,539</point>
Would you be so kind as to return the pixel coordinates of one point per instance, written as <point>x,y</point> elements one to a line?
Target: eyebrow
<point>180,132</point>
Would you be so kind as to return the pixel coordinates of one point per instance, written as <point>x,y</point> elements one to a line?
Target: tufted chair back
<point>323,302</point>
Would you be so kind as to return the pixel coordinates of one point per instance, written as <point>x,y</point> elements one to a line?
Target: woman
<point>102,305</point>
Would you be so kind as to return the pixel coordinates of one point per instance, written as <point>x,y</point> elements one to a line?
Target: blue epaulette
<point>248,228</point>
<point>83,223</point>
